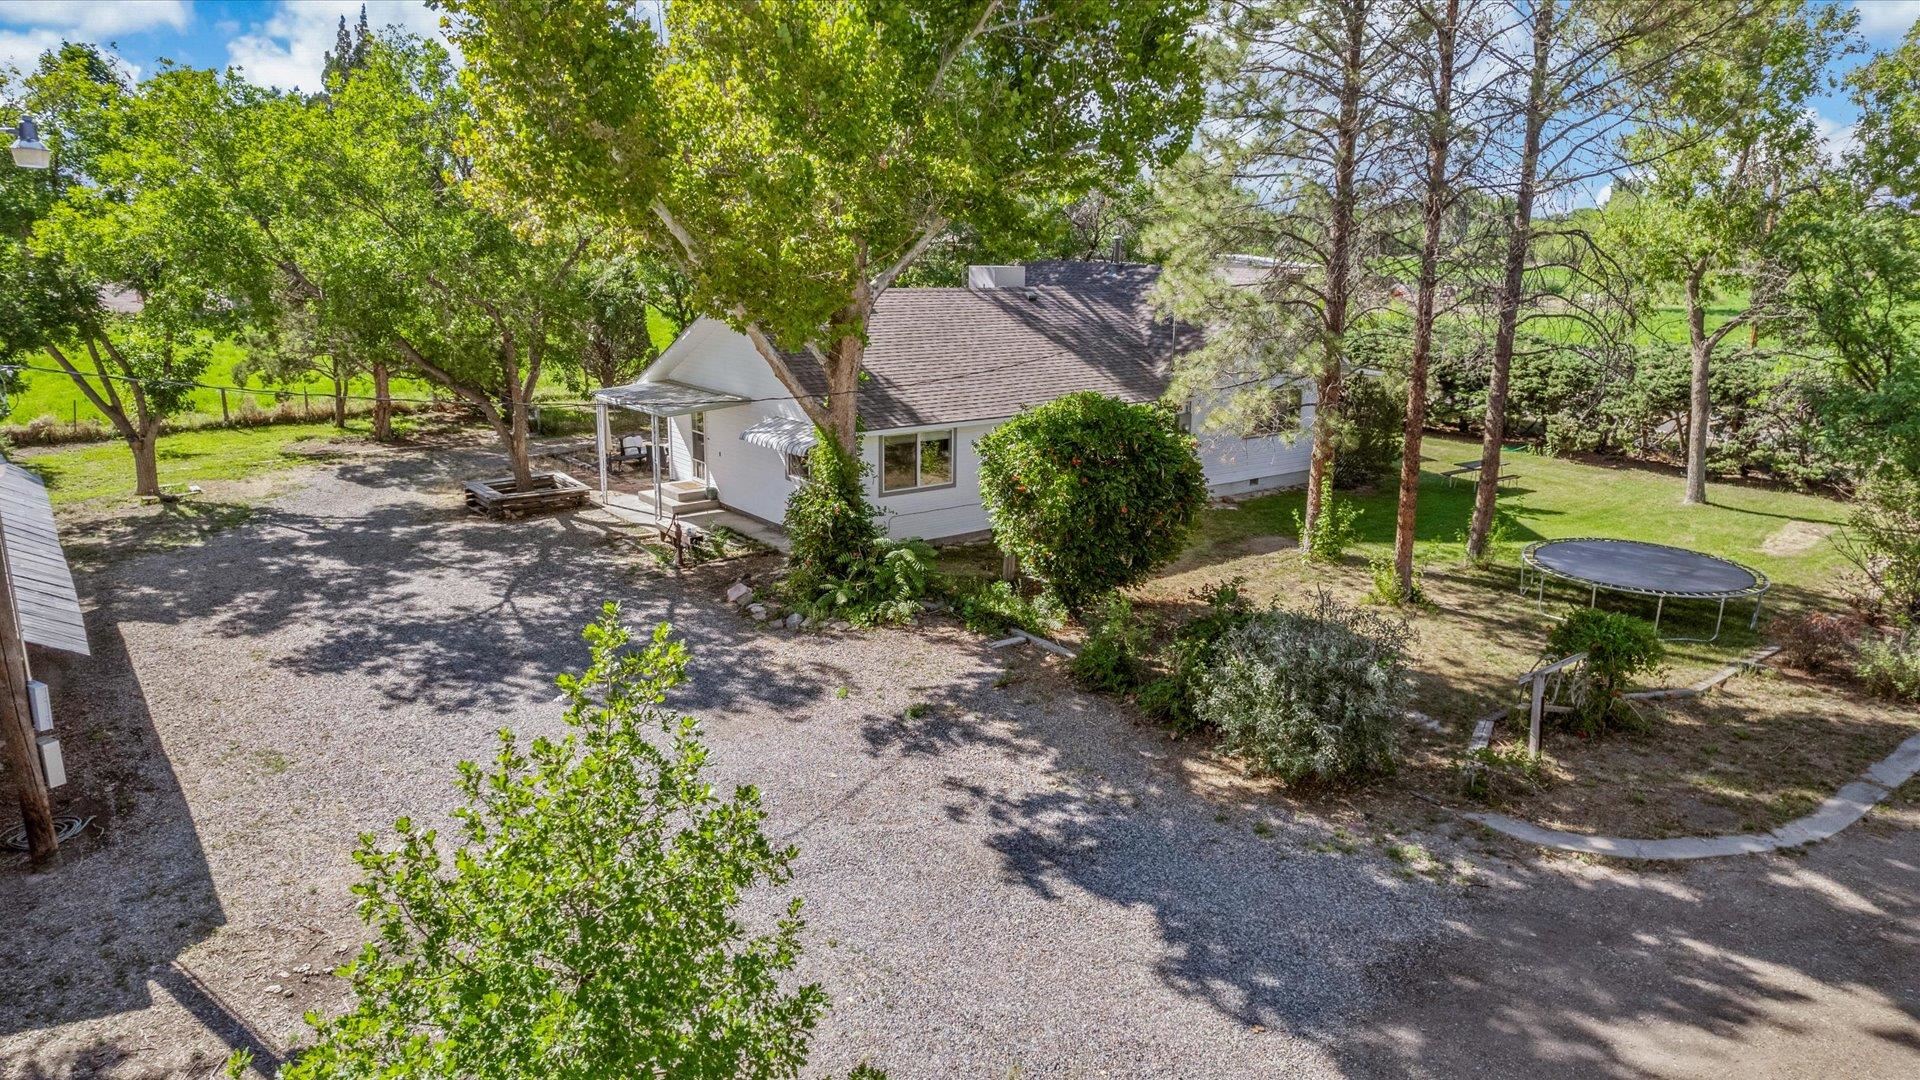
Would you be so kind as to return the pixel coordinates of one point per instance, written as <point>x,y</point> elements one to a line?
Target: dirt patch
<point>1795,537</point>
<point>1750,758</point>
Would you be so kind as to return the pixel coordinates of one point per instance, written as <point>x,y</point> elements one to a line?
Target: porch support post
<point>600,445</point>
<point>653,455</point>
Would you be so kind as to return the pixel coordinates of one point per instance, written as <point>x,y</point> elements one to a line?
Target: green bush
<point>1619,648</point>
<point>582,915</point>
<point>830,524</point>
<point>1890,668</point>
<point>1882,541</point>
<point>1170,700</point>
<point>1112,660</point>
<point>1372,431</point>
<point>1091,494</point>
<point>1317,694</point>
<point>1334,531</point>
<point>883,586</point>
<point>1384,584</point>
<point>995,607</point>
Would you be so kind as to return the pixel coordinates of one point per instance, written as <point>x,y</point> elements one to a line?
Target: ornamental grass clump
<point>1316,694</point>
<point>1090,493</point>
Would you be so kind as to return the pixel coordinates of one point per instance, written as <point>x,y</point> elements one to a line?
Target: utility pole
<point>16,717</point>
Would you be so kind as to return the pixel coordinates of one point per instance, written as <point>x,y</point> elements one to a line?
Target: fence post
<point>306,404</point>
<point>226,420</point>
<point>1533,726</point>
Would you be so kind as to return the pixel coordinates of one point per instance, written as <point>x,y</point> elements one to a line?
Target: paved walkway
<point>1845,807</point>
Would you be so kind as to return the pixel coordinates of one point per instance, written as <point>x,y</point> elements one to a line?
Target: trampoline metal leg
<point>1659,608</point>
<point>1754,622</point>
<point>1717,619</point>
<point>1593,596</point>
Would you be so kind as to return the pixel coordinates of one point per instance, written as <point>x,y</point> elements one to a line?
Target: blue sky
<point>281,42</point>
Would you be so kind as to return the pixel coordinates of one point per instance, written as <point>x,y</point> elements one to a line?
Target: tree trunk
<point>843,391</point>
<point>340,403</point>
<point>1326,409</point>
<point>382,404</point>
<point>1519,241</point>
<point>146,461</point>
<point>1699,401</point>
<point>1439,140</point>
<point>516,440</point>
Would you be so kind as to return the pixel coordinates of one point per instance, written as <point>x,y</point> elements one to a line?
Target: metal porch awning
<point>787,434</point>
<point>664,398</point>
<point>43,593</point>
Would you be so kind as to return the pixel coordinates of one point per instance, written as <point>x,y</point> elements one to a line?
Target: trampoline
<point>1639,568</point>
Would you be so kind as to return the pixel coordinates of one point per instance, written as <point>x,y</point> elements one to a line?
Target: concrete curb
<point>1842,809</point>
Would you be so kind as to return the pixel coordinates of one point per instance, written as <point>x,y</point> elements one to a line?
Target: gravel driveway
<point>1018,881</point>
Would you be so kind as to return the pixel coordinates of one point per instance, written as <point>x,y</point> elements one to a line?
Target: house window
<point>1278,413</point>
<point>797,466</point>
<point>909,462</point>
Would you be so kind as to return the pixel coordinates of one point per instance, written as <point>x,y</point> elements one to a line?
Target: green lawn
<point>1552,497</point>
<point>53,393</point>
<point>104,471</point>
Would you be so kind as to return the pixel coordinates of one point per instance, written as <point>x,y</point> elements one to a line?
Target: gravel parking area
<point>1019,880</point>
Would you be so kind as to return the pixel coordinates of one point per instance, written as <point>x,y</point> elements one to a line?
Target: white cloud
<point>1601,196</point>
<point>1886,17</point>
<point>21,49</point>
<point>93,19</point>
<point>289,48</point>
<point>1836,136</point>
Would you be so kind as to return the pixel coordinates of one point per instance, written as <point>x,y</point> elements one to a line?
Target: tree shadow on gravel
<point>439,607</point>
<point>1261,914</point>
<point>94,932</point>
<point>1277,920</point>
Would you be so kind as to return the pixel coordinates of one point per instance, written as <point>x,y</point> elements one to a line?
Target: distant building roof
<point>42,585</point>
<point>950,355</point>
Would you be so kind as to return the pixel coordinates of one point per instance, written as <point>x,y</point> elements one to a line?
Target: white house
<point>944,367</point>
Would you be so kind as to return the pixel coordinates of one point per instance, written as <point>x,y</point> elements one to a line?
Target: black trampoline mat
<point>1644,567</point>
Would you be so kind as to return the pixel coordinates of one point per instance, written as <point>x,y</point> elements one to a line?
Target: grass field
<point>103,471</point>
<point>50,392</point>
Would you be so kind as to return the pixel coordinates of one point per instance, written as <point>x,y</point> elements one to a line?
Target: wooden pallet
<point>550,491</point>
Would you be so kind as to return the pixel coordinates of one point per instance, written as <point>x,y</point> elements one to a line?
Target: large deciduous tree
<point>1729,144</point>
<point>1575,75</point>
<point>152,262</point>
<point>797,157</point>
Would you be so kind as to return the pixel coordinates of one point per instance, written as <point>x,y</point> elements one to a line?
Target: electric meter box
<point>51,761</point>
<point>40,704</point>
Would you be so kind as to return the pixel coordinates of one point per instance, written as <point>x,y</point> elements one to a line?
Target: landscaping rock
<point>739,592</point>
<point>758,611</point>
<point>794,620</point>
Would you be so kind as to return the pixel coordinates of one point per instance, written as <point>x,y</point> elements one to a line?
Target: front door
<point>697,445</point>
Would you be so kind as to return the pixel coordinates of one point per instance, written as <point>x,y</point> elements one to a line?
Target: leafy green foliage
<point>994,607</point>
<point>1619,648</point>
<point>1090,493</point>
<point>1373,425</point>
<point>1113,658</point>
<point>1890,667</point>
<point>1333,532</point>
<point>1882,541</point>
<point>583,923</point>
<point>882,587</point>
<point>711,141</point>
<point>828,520</point>
<point>1384,583</point>
<point>1315,694</point>
<point>1170,699</point>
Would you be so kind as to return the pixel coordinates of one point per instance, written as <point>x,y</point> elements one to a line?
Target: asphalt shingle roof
<point>949,356</point>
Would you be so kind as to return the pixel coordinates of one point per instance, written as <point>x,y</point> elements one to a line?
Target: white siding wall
<point>753,479</point>
<point>1235,464</point>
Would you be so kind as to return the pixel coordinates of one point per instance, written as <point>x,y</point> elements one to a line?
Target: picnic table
<point>1472,468</point>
